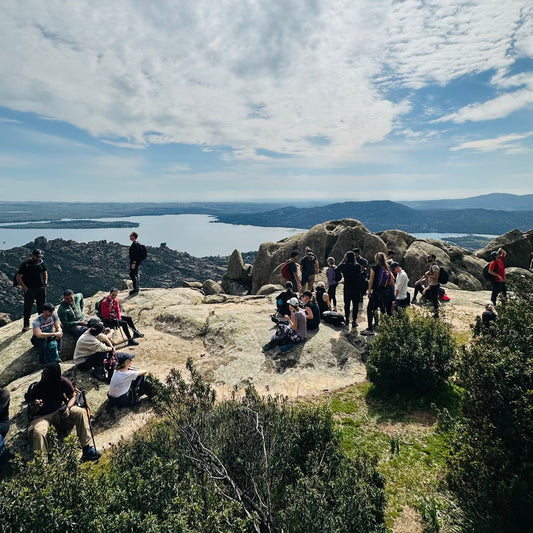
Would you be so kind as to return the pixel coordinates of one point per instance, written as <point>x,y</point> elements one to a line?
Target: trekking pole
<point>88,417</point>
<point>117,325</point>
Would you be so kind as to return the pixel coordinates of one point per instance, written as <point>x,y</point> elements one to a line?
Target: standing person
<point>380,279</point>
<point>70,312</point>
<point>309,269</point>
<point>292,268</point>
<point>137,256</point>
<point>52,401</point>
<point>111,317</point>
<point>497,270</point>
<point>400,286</point>
<point>364,281</point>
<point>432,293</point>
<point>351,272</point>
<point>32,277</point>
<point>47,328</point>
<point>333,281</point>
<point>127,383</point>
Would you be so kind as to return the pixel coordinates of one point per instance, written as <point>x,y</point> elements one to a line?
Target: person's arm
<point>105,343</point>
<point>371,280</point>
<point>81,303</point>
<point>119,315</point>
<point>493,271</point>
<point>316,266</point>
<point>42,335</point>
<point>104,309</point>
<point>308,313</point>
<point>45,277</point>
<point>58,331</point>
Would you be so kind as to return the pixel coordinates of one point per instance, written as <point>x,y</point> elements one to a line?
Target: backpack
<point>384,278</point>
<point>443,276</point>
<point>15,280</point>
<point>338,274</point>
<point>486,275</point>
<point>144,253</point>
<point>333,317</point>
<point>285,272</point>
<point>51,353</point>
<point>109,365</point>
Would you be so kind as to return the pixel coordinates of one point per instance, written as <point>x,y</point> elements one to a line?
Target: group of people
<point>52,400</point>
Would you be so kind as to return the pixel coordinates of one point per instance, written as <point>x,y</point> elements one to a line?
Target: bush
<point>491,464</point>
<point>411,352</point>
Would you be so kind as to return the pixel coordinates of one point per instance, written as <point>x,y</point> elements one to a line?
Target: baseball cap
<point>38,252</point>
<point>294,302</point>
<point>494,254</point>
<point>122,357</point>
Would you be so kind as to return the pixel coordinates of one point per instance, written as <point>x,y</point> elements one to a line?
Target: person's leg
<point>347,300</point>
<point>134,275</point>
<point>494,294</point>
<point>129,321</point>
<point>433,295</point>
<point>40,344</point>
<point>28,304</point>
<point>37,433</point>
<point>40,299</point>
<point>124,325</point>
<point>355,306</point>
<point>332,293</point>
<point>370,310</point>
<point>78,419</point>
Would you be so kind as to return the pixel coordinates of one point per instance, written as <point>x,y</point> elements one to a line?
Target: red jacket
<point>110,308</point>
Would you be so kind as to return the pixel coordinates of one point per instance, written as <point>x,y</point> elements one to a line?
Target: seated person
<point>70,312</point>
<point>52,401</point>
<point>293,332</point>
<point>111,316</point>
<point>283,297</point>
<point>46,328</point>
<point>92,348</point>
<point>127,383</point>
<point>322,298</point>
<point>312,312</point>
<point>4,412</point>
<point>489,315</point>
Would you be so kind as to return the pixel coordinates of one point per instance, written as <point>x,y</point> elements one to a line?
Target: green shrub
<point>411,352</point>
<point>491,464</point>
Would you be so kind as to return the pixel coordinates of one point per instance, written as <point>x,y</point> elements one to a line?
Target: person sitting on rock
<point>312,311</point>
<point>322,298</point>
<point>93,348</point>
<point>489,315</point>
<point>283,297</point>
<point>295,331</point>
<point>111,317</point>
<point>128,384</point>
<point>70,312</point>
<point>46,329</point>
<point>52,401</point>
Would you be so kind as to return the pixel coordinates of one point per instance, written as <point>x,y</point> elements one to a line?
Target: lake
<point>194,234</point>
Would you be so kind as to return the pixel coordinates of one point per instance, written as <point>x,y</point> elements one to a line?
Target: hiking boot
<point>268,346</point>
<point>132,342</point>
<point>25,328</point>
<point>286,348</point>
<point>133,293</point>
<point>354,324</point>
<point>414,302</point>
<point>99,373</point>
<point>367,332</point>
<point>138,335</point>
<point>90,454</point>
<point>274,319</point>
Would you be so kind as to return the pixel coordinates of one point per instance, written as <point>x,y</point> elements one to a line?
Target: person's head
<point>37,254</point>
<point>395,267</point>
<point>391,253</point>
<point>51,374</point>
<point>134,236</point>
<point>331,261</point>
<point>96,328</point>
<point>306,296</point>
<point>431,258</point>
<point>68,296</point>
<point>289,286</point>
<point>48,309</point>
<point>379,258</point>
<point>124,359</point>
<point>489,306</point>
<point>294,304</point>
<point>93,321</point>
<point>321,286</point>
<point>113,292</point>
<point>294,255</point>
<point>350,257</point>
<point>308,252</point>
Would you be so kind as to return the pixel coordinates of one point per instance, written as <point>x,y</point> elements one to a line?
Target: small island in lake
<point>73,224</point>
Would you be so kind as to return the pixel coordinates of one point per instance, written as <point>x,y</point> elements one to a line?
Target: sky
<point>310,100</point>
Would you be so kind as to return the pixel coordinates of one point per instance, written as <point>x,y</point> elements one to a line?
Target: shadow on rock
<point>25,364</point>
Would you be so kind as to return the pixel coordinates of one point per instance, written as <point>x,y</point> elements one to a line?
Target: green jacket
<point>71,315</point>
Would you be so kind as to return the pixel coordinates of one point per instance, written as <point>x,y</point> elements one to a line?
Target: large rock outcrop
<point>517,244</point>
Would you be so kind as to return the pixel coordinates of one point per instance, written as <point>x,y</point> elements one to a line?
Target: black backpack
<point>144,253</point>
<point>486,275</point>
<point>443,276</point>
<point>338,274</point>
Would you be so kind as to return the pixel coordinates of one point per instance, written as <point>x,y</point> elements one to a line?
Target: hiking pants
<point>95,360</point>
<point>332,293</point>
<point>351,299</point>
<point>123,323</point>
<point>134,275</point>
<point>376,300</point>
<point>433,296</point>
<point>77,418</point>
<point>498,287</point>
<point>31,295</point>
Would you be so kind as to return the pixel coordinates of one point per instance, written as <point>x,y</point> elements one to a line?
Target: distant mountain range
<point>494,201</point>
<point>383,215</point>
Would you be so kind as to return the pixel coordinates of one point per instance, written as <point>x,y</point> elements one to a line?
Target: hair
<point>289,285</point>
<point>96,329</point>
<point>307,293</point>
<point>48,307</point>
<point>135,234</point>
<point>350,257</point>
<point>51,378</point>
<point>391,252</point>
<point>68,292</point>
<point>120,366</point>
<point>432,257</point>
<point>331,260</point>
<point>355,250</point>
<point>380,260</point>
<point>113,289</point>
<point>294,253</point>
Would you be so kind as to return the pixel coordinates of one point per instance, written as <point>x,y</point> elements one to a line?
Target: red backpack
<point>285,271</point>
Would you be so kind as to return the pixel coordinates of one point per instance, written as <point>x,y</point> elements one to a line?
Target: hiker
<point>127,384</point>
<point>70,313</point>
<point>32,277</point>
<point>489,315</point>
<point>400,286</point>
<point>432,291</point>
<point>4,412</point>
<point>282,298</point>
<point>497,271</point>
<point>364,274</point>
<point>137,256</point>
<point>289,271</point>
<point>333,281</point>
<point>322,298</point>
<point>92,349</point>
<point>351,272</point>
<point>47,334</point>
<point>309,269</point>
<point>390,293</point>
<point>292,333</point>
<point>111,316</point>
<point>420,287</point>
<point>312,311</point>
<point>380,279</point>
<point>52,401</point>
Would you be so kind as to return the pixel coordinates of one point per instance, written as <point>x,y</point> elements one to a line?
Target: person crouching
<point>295,331</point>
<point>127,384</point>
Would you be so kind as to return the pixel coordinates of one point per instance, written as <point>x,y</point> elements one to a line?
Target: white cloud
<point>507,143</point>
<point>268,76</point>
<point>9,120</point>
